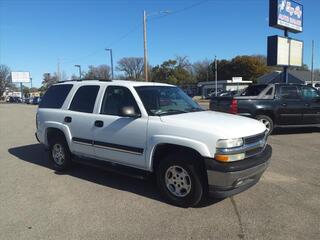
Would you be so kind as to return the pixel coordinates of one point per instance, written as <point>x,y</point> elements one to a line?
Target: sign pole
<point>285,68</point>
<point>21,91</point>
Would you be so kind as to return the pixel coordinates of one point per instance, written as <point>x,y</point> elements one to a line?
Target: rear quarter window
<point>55,96</point>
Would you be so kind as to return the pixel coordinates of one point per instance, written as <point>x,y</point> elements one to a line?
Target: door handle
<point>98,123</point>
<point>284,104</point>
<point>68,119</point>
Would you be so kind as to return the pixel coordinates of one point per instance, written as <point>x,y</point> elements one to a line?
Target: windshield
<point>253,90</point>
<point>166,100</point>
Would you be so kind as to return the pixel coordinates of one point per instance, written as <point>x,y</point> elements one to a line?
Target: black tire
<point>196,191</point>
<point>65,163</point>
<point>267,121</point>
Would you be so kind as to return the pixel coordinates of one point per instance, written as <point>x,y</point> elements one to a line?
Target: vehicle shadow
<point>36,154</point>
<point>297,130</point>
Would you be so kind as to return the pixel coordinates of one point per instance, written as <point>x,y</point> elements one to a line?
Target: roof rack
<point>80,80</point>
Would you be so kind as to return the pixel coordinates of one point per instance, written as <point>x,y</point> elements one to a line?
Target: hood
<point>222,124</point>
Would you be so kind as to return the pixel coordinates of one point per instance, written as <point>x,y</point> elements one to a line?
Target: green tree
<point>177,72</point>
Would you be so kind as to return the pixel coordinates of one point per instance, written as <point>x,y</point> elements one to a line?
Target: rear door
<point>80,119</point>
<point>289,105</point>
<point>311,100</point>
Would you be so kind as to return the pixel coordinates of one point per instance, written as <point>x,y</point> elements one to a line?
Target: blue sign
<point>286,14</point>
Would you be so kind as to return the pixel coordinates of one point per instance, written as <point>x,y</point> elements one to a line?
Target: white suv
<point>153,128</point>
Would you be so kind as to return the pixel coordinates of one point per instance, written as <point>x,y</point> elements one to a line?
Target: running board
<point>113,167</point>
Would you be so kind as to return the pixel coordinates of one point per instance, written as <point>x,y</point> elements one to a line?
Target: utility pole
<point>216,74</point>
<point>145,45</point>
<point>312,60</point>
<point>80,74</point>
<point>58,70</point>
<point>111,61</point>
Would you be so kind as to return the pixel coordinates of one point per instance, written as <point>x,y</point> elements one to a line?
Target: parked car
<point>13,99</point>
<point>152,128</point>
<point>36,100</point>
<point>213,93</point>
<point>275,105</point>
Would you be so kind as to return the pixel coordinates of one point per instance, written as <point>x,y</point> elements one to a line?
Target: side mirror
<point>129,111</point>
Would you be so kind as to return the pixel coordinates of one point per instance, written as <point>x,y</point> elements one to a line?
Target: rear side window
<point>84,99</point>
<point>289,92</point>
<point>55,96</point>
<point>253,90</point>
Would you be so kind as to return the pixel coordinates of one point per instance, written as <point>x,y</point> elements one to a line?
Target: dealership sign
<point>284,51</point>
<point>20,77</point>
<point>286,14</point>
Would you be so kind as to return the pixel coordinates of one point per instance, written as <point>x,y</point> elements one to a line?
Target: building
<point>294,76</point>
<point>205,88</point>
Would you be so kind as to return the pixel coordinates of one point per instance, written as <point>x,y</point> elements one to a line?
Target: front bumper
<point>227,179</point>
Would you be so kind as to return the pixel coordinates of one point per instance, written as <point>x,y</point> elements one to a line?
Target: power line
<point>135,28</point>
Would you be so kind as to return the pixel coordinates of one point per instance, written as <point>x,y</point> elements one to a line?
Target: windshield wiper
<point>195,109</point>
<point>171,111</point>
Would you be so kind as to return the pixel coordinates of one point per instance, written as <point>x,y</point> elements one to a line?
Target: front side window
<point>84,99</point>
<point>166,100</point>
<point>115,99</point>
<point>309,93</point>
<point>55,96</point>
<point>289,92</point>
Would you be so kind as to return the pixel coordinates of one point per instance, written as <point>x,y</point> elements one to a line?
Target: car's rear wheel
<point>267,121</point>
<point>179,181</point>
<point>59,153</point>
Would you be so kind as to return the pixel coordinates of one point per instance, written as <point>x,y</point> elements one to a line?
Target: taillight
<point>234,107</point>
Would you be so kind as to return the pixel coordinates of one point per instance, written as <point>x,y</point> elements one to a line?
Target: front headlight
<point>230,143</point>
<point>225,150</point>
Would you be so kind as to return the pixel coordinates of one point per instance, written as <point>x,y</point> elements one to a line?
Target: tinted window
<point>289,92</point>
<point>253,90</point>
<point>84,99</point>
<point>55,96</point>
<point>115,98</point>
<point>270,91</point>
<point>309,93</point>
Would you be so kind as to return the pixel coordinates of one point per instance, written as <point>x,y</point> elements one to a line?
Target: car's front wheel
<point>179,181</point>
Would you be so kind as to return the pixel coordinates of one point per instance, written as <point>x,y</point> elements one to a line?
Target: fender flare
<point>157,140</point>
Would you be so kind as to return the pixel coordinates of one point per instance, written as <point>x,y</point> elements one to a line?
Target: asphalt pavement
<point>89,203</point>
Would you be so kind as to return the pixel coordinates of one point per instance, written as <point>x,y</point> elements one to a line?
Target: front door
<point>117,138</point>
<point>311,100</point>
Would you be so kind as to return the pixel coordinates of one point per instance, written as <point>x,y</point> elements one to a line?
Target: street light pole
<point>312,60</point>
<point>111,61</point>
<point>80,74</point>
<point>145,45</point>
<point>216,74</point>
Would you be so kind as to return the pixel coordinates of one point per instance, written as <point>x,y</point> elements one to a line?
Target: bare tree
<point>102,72</point>
<point>5,78</point>
<point>49,80</point>
<point>202,70</point>
<point>132,67</point>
